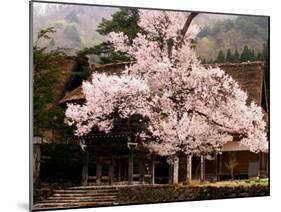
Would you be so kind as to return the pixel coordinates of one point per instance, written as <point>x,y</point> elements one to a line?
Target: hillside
<point>232,34</point>
<point>75,25</point>
<point>76,29</point>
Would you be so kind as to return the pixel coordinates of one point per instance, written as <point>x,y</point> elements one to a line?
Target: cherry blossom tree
<point>194,109</point>
<point>191,108</point>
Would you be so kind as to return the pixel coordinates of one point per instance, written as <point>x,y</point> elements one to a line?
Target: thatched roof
<point>77,93</point>
<point>249,75</point>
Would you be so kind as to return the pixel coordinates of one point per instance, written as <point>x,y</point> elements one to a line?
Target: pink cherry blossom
<point>191,108</point>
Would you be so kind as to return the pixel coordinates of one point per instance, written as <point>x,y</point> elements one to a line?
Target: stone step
<point>90,198</point>
<point>71,205</point>
<point>79,201</point>
<point>84,194</point>
<point>93,187</point>
<point>83,191</point>
<point>81,196</point>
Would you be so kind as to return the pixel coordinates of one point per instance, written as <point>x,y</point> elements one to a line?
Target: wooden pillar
<point>119,171</point>
<point>220,166</point>
<point>202,168</point>
<point>216,166</point>
<point>111,171</point>
<point>98,171</point>
<point>266,163</point>
<point>36,161</point>
<point>174,171</point>
<point>170,173</point>
<point>85,168</point>
<point>188,169</point>
<point>152,169</point>
<point>130,166</point>
<point>125,173</point>
<point>142,169</point>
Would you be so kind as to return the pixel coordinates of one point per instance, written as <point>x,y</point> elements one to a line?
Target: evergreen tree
<point>221,57</point>
<point>252,55</point>
<point>259,56</point>
<point>246,54</point>
<point>236,56</point>
<point>229,56</point>
<point>124,21</point>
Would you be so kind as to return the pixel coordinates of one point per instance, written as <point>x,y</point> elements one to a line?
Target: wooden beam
<point>85,168</point>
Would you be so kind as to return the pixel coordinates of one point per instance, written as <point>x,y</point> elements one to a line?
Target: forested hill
<point>75,25</point>
<point>232,34</point>
<point>76,29</point>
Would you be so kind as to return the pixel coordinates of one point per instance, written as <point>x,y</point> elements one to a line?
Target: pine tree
<point>259,56</point>
<point>252,55</point>
<point>236,56</point>
<point>229,56</point>
<point>221,57</point>
<point>246,54</point>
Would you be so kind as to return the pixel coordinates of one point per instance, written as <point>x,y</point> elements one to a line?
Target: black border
<point>122,6</point>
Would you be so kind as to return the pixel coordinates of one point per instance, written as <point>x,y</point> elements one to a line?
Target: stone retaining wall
<point>153,194</point>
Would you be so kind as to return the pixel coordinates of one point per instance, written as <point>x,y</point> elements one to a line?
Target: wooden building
<point>119,158</point>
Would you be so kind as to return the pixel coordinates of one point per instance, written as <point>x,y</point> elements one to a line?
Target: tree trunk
<point>182,33</point>
<point>174,170</point>
<point>232,174</point>
<point>187,24</point>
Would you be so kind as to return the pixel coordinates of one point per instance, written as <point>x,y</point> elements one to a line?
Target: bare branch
<point>182,33</point>
<point>187,24</point>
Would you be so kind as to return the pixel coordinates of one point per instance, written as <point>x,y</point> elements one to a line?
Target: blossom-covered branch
<point>106,95</point>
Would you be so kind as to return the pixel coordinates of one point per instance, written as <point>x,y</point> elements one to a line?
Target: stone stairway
<point>81,196</point>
